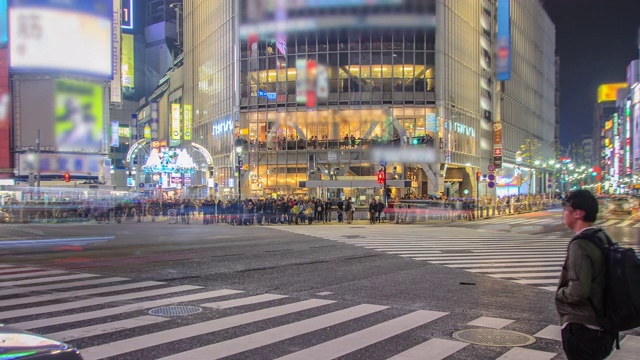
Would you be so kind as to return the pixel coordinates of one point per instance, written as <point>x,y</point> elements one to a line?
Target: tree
<point>530,155</point>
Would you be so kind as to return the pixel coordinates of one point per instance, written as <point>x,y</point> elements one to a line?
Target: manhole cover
<point>169,311</point>
<point>494,337</point>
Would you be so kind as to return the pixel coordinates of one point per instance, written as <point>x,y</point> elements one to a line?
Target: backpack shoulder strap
<point>596,236</point>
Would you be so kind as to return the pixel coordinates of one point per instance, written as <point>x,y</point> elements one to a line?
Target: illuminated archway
<point>132,150</point>
<point>204,152</point>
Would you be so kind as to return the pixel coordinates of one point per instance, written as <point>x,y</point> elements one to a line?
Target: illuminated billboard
<point>126,20</point>
<point>5,112</point>
<point>73,36</point>
<point>78,110</point>
<point>128,61</point>
<point>4,29</point>
<point>188,122</point>
<point>503,39</point>
<point>609,92</point>
<point>175,121</point>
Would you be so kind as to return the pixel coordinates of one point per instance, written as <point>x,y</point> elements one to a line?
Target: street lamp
<point>240,163</point>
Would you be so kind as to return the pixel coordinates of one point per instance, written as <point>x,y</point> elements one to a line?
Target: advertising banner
<point>155,119</point>
<point>128,61</point>
<point>301,81</point>
<point>175,121</point>
<point>636,138</point>
<point>4,22</point>
<point>503,39</point>
<point>58,164</point>
<point>188,121</point>
<point>5,111</point>
<point>134,128</point>
<point>431,123</point>
<point>126,18</point>
<point>39,42</point>
<point>147,132</point>
<point>78,116</point>
<point>116,87</point>
<point>497,144</point>
<point>115,133</point>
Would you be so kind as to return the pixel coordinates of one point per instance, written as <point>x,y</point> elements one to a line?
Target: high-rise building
<point>305,90</point>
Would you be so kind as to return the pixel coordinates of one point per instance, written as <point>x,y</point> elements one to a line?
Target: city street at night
<point>305,292</point>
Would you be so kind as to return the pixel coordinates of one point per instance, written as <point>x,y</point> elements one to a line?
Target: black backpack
<point>622,290</point>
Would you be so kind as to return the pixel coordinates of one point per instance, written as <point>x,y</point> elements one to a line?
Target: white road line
<point>262,338</point>
<point>549,288</point>
<point>629,349</point>
<point>625,223</point>
<point>536,281</point>
<point>65,319</point>
<point>490,322</point>
<point>636,225</point>
<point>6,266</point>
<point>503,269</point>
<point>62,295</point>
<point>519,353</point>
<point>498,253</point>
<point>495,257</point>
<point>552,332</point>
<point>497,261</point>
<point>31,274</point>
<point>354,341</point>
<point>46,280</point>
<point>93,301</point>
<point>437,349</point>
<point>106,328</point>
<point>29,289</point>
<point>17,269</point>
<point>554,274</point>
<point>244,301</point>
<point>184,332</point>
<point>511,251</point>
<point>485,265</point>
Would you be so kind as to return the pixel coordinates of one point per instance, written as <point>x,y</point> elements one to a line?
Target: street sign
<point>491,167</point>
<point>549,186</point>
<point>141,185</point>
<point>383,163</point>
<point>497,151</point>
<point>491,177</point>
<point>491,184</point>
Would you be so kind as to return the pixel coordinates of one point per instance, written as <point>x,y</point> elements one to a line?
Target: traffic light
<point>245,167</point>
<point>381,177</point>
<point>67,177</point>
<point>415,141</point>
<point>478,175</point>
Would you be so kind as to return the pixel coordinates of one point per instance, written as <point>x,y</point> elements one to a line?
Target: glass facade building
<point>310,87</point>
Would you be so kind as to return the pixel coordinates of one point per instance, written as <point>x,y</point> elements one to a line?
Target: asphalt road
<point>396,302</point>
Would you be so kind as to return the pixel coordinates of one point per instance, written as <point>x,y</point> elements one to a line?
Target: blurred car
<point>4,217</point>
<point>18,344</point>
<point>620,204</point>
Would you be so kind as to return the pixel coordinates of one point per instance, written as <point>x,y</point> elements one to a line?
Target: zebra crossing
<point>550,220</point>
<point>520,258</point>
<point>117,325</point>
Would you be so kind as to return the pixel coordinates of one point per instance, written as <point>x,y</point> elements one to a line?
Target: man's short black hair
<point>585,201</point>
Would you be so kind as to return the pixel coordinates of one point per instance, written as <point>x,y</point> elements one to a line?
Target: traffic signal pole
<point>384,186</point>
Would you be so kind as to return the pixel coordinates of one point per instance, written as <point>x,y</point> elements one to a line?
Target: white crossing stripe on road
<point>629,349</point>
<point>437,349</point>
<point>262,338</point>
<point>552,332</point>
<point>16,269</point>
<point>243,301</point>
<point>490,322</point>
<point>158,338</point>
<point>107,328</point>
<point>94,301</point>
<point>354,341</point>
<point>519,353</point>
<point>636,225</point>
<point>537,281</point>
<point>506,266</point>
<point>554,274</point>
<point>54,296</point>
<point>31,274</point>
<point>609,222</point>
<point>46,279</point>
<point>6,266</point>
<point>625,223</point>
<point>485,261</point>
<point>22,290</point>
<point>501,270</point>
<point>40,323</point>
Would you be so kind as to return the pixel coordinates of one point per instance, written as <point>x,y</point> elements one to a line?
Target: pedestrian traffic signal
<point>67,177</point>
<point>381,177</point>
<point>478,175</point>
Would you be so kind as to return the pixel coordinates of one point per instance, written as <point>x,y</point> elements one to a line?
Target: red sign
<point>491,167</point>
<point>497,151</point>
<point>6,167</point>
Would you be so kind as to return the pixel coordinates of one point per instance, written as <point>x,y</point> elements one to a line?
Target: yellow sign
<point>244,131</point>
<point>608,125</point>
<point>188,120</point>
<point>147,132</point>
<point>124,132</point>
<point>175,121</point>
<point>127,61</point>
<point>609,92</point>
<point>607,142</point>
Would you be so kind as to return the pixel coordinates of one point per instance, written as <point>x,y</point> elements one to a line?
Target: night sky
<point>596,40</point>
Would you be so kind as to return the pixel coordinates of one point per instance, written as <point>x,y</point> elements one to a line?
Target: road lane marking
<point>537,281</point>
<point>62,295</point>
<point>46,280</point>
<point>506,266</point>
<point>29,289</point>
<point>497,261</point>
<point>609,222</point>
<point>106,328</point>
<point>31,274</point>
<point>490,322</point>
<point>17,269</point>
<point>94,301</point>
<point>244,301</point>
<point>40,323</point>
<point>552,332</point>
<point>553,274</point>
<point>625,223</point>
<point>519,353</point>
<point>184,332</point>
<point>504,269</point>
<point>437,349</point>
<point>629,349</point>
<point>263,338</point>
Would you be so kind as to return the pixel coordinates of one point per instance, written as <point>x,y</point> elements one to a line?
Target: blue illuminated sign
<point>4,20</point>
<point>126,18</point>
<point>222,126</point>
<point>503,40</point>
<point>268,95</point>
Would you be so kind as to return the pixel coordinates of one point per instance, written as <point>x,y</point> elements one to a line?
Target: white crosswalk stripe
<point>524,259</point>
<point>69,319</point>
<point>552,220</point>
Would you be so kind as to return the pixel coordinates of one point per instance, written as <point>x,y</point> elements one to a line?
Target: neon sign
<point>461,129</point>
<point>222,126</point>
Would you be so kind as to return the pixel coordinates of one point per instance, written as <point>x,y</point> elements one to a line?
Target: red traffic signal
<point>478,175</point>
<point>381,177</point>
<point>67,177</point>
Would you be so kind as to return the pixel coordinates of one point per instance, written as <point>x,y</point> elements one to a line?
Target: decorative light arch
<point>204,152</point>
<point>132,150</point>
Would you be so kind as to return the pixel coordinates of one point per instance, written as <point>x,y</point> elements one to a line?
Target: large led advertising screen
<point>72,36</point>
<point>78,108</point>
<point>4,29</point>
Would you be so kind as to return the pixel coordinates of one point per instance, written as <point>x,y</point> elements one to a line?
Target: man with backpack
<point>580,298</point>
